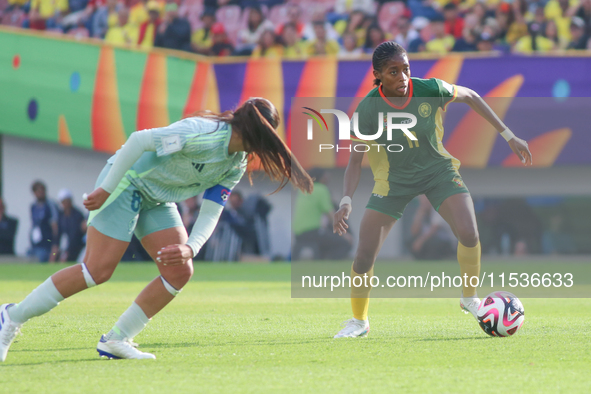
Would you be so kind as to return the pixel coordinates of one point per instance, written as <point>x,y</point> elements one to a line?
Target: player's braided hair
<point>384,52</point>
<point>256,121</point>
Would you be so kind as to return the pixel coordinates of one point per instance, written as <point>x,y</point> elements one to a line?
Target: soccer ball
<point>500,314</point>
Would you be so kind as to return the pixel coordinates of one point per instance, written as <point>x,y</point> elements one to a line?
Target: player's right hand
<point>96,199</point>
<point>339,225</point>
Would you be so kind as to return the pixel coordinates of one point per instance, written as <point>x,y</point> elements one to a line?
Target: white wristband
<point>507,134</point>
<point>345,200</point>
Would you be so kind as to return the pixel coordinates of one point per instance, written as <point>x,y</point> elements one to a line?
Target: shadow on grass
<point>49,350</point>
<point>450,339</point>
<point>235,343</point>
<point>50,362</point>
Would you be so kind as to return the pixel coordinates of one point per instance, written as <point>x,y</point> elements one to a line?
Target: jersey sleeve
<point>446,93</point>
<point>173,138</point>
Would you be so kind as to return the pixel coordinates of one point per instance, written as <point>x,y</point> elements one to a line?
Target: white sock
<point>131,323</point>
<point>41,300</point>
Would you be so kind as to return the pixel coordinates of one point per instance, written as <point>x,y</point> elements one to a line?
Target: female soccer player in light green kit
<point>422,167</point>
<point>136,192</point>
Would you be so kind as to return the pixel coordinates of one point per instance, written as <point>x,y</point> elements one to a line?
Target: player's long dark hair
<point>384,52</point>
<point>256,121</point>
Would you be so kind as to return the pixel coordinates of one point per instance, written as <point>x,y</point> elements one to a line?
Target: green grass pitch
<point>235,329</point>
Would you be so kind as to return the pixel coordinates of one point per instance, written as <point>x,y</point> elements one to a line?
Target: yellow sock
<point>360,295</point>
<point>469,259</point>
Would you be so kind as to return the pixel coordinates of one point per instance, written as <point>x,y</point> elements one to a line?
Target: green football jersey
<point>402,166</point>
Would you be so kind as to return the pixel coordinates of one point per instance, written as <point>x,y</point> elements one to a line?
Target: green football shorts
<point>451,183</point>
<point>126,212</point>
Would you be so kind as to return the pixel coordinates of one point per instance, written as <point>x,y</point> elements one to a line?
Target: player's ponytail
<point>384,52</point>
<point>256,121</point>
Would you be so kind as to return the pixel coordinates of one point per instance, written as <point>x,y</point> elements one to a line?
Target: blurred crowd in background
<point>57,229</point>
<point>507,226</point>
<point>299,29</point>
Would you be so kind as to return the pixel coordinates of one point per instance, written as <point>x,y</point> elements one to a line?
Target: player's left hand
<point>520,148</point>
<point>175,255</point>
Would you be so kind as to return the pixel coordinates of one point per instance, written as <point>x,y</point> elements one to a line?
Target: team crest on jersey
<point>458,181</point>
<point>425,109</point>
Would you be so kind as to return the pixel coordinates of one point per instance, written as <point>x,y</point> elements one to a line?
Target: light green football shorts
<point>126,212</point>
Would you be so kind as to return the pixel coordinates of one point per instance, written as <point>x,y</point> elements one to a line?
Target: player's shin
<point>40,301</point>
<point>360,288</point>
<point>469,259</point>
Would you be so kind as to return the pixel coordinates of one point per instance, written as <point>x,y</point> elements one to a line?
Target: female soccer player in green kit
<point>136,191</point>
<point>422,167</point>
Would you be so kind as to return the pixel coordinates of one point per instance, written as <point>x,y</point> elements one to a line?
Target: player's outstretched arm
<point>138,143</point>
<point>352,176</point>
<point>518,146</point>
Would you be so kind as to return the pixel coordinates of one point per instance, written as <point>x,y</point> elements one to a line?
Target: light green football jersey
<point>191,156</point>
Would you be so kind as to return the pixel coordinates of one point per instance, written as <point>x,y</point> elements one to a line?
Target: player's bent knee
<point>102,277</point>
<point>468,237</point>
<point>180,275</point>
<point>363,262</point>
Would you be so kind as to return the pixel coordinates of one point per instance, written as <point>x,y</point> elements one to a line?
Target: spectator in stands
<point>423,8</point>
<point>225,243</point>
<point>431,236</point>
<point>8,226</point>
<point>350,50</point>
<point>584,12</point>
<point>442,42</point>
<point>213,5</point>
<point>485,43</point>
<point>44,229</point>
<point>551,33</point>
<point>148,29</point>
<point>577,32</point>
<point>454,24</point>
<point>124,33</point>
<point>174,32</point>
<point>353,25</point>
<point>466,43</point>
<point>201,40</point>
<point>294,14</point>
<point>555,239</point>
<point>374,37</point>
<point>249,37</point>
<point>79,13</point>
<point>105,17</point>
<point>310,209</point>
<point>140,12</point>
<point>16,4</point>
<point>221,44</point>
<point>517,25</point>
<point>268,46</point>
<point>343,9</point>
<point>71,228</point>
<point>407,36</point>
<point>309,32</point>
<point>46,14</point>
<point>293,46</point>
<point>534,41</point>
<point>560,12</point>
<point>321,45</point>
